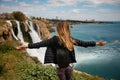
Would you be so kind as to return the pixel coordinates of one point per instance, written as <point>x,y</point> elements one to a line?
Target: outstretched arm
<point>45,43</point>
<point>89,43</point>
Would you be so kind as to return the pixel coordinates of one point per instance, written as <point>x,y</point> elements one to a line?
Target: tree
<point>19,16</point>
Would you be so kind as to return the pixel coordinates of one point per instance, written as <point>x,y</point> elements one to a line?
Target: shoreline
<point>82,22</point>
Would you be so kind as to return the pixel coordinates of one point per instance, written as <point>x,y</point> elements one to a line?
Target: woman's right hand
<point>21,47</point>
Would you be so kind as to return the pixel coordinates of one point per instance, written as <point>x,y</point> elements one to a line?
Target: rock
<point>45,34</point>
<point>5,33</point>
<point>26,27</point>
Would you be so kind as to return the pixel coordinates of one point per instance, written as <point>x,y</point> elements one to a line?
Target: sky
<point>99,10</point>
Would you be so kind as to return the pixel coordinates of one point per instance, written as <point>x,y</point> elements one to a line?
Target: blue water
<point>102,61</point>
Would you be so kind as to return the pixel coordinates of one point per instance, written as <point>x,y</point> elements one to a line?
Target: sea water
<point>101,61</point>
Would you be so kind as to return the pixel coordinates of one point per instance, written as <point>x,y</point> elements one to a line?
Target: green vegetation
<point>37,72</point>
<point>8,60</point>
<point>84,76</point>
<point>17,65</point>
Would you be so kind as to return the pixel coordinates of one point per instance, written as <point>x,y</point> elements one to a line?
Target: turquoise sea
<point>101,61</point>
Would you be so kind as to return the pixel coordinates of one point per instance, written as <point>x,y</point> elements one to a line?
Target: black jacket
<point>52,45</point>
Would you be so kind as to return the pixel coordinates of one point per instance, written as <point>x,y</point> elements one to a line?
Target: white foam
<point>94,56</point>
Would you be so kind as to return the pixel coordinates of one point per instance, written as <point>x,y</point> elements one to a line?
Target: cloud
<point>22,7</point>
<point>28,9</point>
<point>75,10</point>
<point>110,14</point>
<point>36,1</point>
<point>51,7</point>
<point>62,2</point>
<point>100,2</point>
<point>4,8</point>
<point>23,4</point>
<point>6,0</point>
<point>80,10</point>
<point>108,11</point>
<point>98,14</point>
<point>58,3</point>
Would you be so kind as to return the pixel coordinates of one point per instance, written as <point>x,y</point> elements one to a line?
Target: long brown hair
<point>63,31</point>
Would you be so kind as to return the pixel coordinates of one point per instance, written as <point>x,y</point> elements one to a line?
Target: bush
<point>8,63</point>
<point>37,72</point>
<point>5,47</point>
<point>19,16</point>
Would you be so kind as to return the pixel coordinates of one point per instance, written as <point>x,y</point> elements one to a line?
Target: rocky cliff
<point>45,34</point>
<point>5,32</point>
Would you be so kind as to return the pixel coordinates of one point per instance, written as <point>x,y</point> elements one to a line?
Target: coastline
<point>82,22</point>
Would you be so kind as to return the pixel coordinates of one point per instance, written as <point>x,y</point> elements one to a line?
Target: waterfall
<point>20,35</point>
<point>33,33</point>
<point>38,29</point>
<point>12,29</point>
<point>39,53</point>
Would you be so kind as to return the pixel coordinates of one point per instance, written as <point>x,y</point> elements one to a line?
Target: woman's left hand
<point>101,43</point>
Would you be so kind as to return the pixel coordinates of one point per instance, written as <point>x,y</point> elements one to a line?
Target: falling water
<point>39,53</point>
<point>12,29</point>
<point>38,29</point>
<point>20,35</point>
<point>33,33</point>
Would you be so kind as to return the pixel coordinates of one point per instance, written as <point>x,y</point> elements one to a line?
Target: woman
<point>60,49</point>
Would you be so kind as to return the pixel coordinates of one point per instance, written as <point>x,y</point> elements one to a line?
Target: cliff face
<point>5,33</point>
<point>45,34</point>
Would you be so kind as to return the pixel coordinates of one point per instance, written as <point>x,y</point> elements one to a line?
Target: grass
<point>18,65</point>
<point>9,58</point>
<point>84,76</point>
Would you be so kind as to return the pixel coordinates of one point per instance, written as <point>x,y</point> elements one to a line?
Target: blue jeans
<point>65,73</point>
